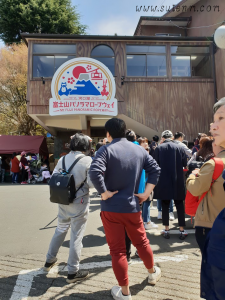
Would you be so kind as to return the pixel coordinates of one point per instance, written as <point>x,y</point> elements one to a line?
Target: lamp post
<point>219,37</point>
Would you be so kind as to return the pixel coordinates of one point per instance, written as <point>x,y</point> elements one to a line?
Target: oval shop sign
<point>83,86</point>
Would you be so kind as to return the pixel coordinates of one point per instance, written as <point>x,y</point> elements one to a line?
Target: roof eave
<point>174,19</point>
<point>26,36</point>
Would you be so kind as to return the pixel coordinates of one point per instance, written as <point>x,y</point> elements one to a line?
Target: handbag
<point>62,185</point>
<point>192,202</point>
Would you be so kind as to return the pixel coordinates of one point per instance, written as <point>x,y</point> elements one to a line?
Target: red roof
<point>14,143</point>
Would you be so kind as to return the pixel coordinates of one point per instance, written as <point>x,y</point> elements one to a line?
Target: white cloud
<point>119,25</point>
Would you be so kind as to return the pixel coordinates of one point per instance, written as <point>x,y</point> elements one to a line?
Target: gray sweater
<point>80,172</point>
<point>186,149</point>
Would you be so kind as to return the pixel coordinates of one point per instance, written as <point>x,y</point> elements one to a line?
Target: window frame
<point>51,54</point>
<point>190,55</point>
<point>106,56</point>
<point>146,60</point>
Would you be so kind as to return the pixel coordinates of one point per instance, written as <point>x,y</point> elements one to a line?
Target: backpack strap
<point>216,174</point>
<point>218,169</point>
<point>82,184</point>
<point>63,163</point>
<point>74,163</point>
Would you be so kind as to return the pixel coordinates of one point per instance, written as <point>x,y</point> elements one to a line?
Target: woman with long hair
<point>206,149</point>
<point>204,153</point>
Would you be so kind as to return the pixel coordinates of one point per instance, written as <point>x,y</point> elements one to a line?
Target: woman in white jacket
<point>74,214</point>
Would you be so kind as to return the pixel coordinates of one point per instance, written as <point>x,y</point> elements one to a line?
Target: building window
<point>105,55</point>
<point>47,58</point>
<point>144,60</point>
<point>191,61</point>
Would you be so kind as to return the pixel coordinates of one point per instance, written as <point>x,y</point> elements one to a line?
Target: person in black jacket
<point>153,145</point>
<point>171,158</point>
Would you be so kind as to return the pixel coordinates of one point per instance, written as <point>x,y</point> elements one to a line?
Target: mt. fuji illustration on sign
<point>83,86</point>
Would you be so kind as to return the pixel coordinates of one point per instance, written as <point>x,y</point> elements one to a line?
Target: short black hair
<point>116,128</point>
<point>130,135</point>
<point>80,142</point>
<point>13,155</point>
<point>98,146</point>
<point>155,138</point>
<point>178,134</point>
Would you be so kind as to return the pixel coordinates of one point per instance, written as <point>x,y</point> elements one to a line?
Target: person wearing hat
<point>171,158</point>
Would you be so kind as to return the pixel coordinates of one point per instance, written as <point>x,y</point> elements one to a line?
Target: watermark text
<point>178,8</point>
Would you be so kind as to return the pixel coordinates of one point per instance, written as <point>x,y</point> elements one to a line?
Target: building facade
<point>167,77</point>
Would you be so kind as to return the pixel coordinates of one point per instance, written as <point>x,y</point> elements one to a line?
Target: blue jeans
<point>159,205</point>
<point>15,177</point>
<point>3,175</point>
<point>146,211</point>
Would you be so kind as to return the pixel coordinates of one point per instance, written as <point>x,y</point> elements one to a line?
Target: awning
<point>14,143</point>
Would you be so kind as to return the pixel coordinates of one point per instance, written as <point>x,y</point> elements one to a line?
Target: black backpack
<point>62,185</point>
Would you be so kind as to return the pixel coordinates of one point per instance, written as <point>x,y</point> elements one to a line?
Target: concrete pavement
<point>28,221</point>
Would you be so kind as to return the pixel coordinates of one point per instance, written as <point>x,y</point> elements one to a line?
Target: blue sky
<point>107,17</point>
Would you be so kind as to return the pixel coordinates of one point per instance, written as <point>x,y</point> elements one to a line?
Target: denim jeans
<point>74,215</point>
<point>3,175</point>
<point>146,211</point>
<point>15,177</point>
<point>159,205</point>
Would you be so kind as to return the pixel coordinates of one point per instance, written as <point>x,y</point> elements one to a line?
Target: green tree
<point>38,16</point>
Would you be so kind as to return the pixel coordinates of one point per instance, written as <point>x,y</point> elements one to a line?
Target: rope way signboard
<point>83,86</point>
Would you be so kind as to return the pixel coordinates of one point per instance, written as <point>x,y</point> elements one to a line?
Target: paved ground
<point>27,222</point>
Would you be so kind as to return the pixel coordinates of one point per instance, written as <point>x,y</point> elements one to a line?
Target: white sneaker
<point>154,277</point>
<point>171,216</point>
<point>159,215</point>
<point>116,292</point>
<point>151,225</point>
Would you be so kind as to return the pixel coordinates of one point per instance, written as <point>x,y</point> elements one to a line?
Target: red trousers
<point>114,226</point>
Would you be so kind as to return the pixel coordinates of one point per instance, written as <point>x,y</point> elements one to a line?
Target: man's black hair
<point>178,134</point>
<point>13,155</point>
<point>80,142</point>
<point>130,135</point>
<point>155,138</point>
<point>98,146</point>
<point>116,128</point>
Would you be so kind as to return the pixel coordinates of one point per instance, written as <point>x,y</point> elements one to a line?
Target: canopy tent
<point>14,143</point>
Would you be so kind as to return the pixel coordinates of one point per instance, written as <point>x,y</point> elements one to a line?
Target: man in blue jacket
<point>116,172</point>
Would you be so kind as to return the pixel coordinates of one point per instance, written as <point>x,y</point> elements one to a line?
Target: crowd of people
<point>24,168</point>
<point>126,171</point>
